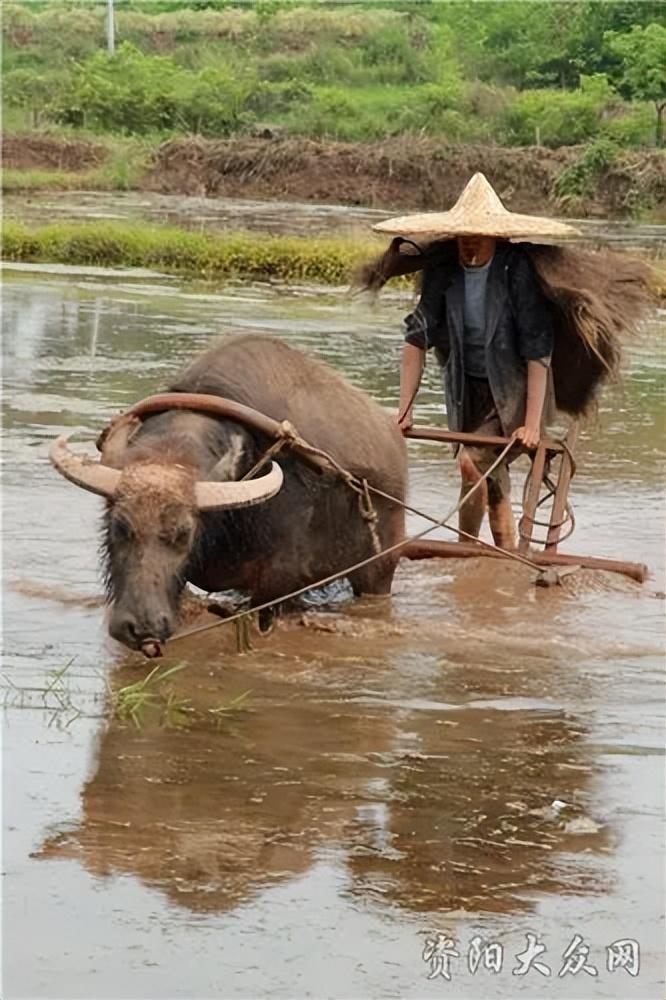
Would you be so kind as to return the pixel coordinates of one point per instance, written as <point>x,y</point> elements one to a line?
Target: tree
<point>643,75</point>
<point>591,20</point>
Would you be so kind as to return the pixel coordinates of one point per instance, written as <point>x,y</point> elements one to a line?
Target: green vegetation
<point>54,696</point>
<point>578,180</point>
<point>131,702</point>
<point>508,72</point>
<point>45,180</point>
<point>150,697</point>
<point>254,256</point>
<point>206,255</point>
<point>642,52</point>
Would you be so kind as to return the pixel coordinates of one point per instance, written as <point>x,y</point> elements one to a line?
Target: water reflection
<point>439,799</point>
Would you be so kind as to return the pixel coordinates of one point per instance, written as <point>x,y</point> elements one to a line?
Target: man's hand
<point>529,435</point>
<point>406,420</point>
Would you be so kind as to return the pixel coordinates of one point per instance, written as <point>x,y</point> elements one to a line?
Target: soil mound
<point>419,173</point>
<point>403,172</point>
<point>43,152</point>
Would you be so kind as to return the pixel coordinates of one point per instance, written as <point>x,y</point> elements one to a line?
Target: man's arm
<point>537,382</point>
<point>424,328</point>
<point>411,370</point>
<point>535,328</point>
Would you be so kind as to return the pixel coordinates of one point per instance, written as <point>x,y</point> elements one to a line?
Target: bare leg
<point>470,517</point>
<point>500,517</point>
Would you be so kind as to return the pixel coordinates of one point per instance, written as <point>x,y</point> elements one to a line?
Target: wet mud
<point>474,756</point>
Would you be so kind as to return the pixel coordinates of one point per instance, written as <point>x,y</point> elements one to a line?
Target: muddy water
<point>391,773</point>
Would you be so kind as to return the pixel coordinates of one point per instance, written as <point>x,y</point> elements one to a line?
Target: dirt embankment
<point>417,174</point>
<point>45,152</point>
<point>401,173</point>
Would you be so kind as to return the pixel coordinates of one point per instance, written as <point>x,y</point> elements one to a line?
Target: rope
<point>506,553</point>
<point>569,514</point>
<point>359,565</point>
<point>266,457</point>
<point>369,514</point>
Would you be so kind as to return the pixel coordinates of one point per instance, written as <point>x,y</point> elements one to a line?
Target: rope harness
<point>289,437</point>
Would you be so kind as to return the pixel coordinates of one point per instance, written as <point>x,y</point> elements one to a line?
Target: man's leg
<point>500,515</point>
<point>470,516</point>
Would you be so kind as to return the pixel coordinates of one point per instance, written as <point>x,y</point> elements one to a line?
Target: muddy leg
<point>375,579</point>
<point>500,515</point>
<point>471,515</point>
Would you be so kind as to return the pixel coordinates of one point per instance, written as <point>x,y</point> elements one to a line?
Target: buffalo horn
<point>82,470</point>
<point>211,496</point>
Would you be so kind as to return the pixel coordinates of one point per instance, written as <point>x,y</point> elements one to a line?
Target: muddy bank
<point>404,172</point>
<point>45,152</point>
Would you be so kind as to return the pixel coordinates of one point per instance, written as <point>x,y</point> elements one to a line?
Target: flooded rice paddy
<point>476,757</point>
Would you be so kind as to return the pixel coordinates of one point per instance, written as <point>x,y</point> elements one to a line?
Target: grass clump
<point>41,180</point>
<point>327,260</point>
<point>151,697</point>
<point>132,701</point>
<point>580,179</point>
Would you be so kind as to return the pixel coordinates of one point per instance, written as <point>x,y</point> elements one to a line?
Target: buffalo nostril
<point>125,630</point>
<point>163,627</point>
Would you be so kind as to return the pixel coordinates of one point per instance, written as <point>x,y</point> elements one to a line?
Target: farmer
<point>483,311</point>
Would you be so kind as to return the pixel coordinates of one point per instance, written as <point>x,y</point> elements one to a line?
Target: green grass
<point>42,180</point>
<point>150,697</point>
<point>131,701</point>
<point>361,71</point>
<point>329,260</point>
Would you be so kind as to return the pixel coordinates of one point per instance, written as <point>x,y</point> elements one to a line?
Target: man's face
<point>475,251</point>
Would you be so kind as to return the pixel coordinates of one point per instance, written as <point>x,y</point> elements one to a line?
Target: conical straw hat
<point>478,212</point>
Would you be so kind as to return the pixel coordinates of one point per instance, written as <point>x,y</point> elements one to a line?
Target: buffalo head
<point>152,521</point>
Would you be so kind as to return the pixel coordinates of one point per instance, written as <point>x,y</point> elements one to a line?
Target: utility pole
<point>110,29</point>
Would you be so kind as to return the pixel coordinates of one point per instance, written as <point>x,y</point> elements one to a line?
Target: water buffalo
<point>177,513</point>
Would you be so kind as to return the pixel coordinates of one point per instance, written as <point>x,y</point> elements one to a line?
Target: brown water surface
<point>394,768</point>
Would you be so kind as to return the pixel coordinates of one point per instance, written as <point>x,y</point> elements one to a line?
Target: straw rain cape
<point>598,297</point>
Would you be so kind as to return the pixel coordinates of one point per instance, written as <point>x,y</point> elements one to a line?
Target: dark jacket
<point>519,328</point>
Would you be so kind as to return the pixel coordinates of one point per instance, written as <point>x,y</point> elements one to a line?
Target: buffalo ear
<point>113,443</point>
<point>231,466</point>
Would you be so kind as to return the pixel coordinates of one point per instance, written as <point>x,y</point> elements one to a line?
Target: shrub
<point>134,93</point>
<point>562,118</point>
<point>580,178</point>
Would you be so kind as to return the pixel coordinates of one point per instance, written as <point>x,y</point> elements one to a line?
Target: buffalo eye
<point>182,538</point>
<point>121,531</point>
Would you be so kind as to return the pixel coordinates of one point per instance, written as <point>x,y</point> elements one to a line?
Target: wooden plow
<point>553,467</point>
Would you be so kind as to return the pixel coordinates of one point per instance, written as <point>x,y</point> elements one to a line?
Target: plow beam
<point>434,549</point>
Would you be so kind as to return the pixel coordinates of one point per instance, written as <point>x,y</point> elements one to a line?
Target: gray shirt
<point>474,320</point>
